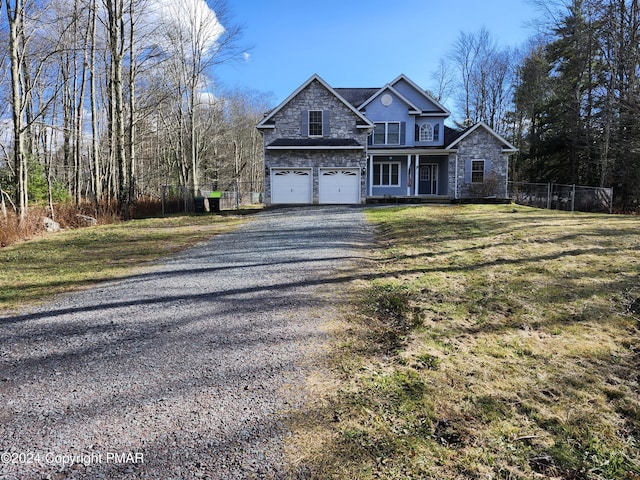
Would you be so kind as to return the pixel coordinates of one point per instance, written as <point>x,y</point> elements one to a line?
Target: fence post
<point>549,193</point>
<point>611,200</point>
<point>164,190</point>
<point>237,192</point>
<point>184,191</point>
<point>573,197</point>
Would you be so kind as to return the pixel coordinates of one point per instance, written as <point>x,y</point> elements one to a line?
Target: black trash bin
<point>214,204</point>
<point>198,204</point>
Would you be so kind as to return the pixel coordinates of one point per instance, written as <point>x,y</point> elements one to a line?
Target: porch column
<point>370,168</point>
<point>417,175</point>
<point>409,184</point>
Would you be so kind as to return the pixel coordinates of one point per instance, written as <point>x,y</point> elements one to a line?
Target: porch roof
<point>400,150</point>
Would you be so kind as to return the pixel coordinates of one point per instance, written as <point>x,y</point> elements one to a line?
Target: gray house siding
<point>298,162</point>
<point>288,120</point>
<point>315,160</point>
<point>339,122</point>
<point>480,145</point>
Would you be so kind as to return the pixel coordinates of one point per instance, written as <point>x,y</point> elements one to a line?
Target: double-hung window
<point>477,171</point>
<point>315,123</point>
<point>386,174</point>
<point>386,133</point>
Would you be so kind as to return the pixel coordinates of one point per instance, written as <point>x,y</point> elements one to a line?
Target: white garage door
<point>291,185</point>
<point>340,185</point>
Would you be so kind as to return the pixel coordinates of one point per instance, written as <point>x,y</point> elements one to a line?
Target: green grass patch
<point>35,270</point>
<point>487,343</point>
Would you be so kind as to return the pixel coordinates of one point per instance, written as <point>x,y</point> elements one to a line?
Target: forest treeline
<point>105,101</point>
<point>569,100</point>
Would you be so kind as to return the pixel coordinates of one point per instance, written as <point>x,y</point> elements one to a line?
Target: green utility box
<point>214,201</point>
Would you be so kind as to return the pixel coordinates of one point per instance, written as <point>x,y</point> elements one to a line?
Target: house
<point>347,145</point>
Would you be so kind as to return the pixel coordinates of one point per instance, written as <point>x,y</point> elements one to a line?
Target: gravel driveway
<point>185,370</point>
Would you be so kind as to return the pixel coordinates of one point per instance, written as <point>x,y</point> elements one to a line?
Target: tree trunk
<point>15,16</point>
<point>115,12</point>
<point>97,169</point>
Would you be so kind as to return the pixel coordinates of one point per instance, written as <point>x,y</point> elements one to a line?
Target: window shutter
<point>370,139</point>
<point>304,123</point>
<point>487,168</point>
<point>403,133</point>
<point>326,123</point>
<point>436,132</point>
<point>467,171</point>
<point>417,133</point>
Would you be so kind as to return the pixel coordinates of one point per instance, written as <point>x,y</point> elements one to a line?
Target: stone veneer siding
<point>342,124</point>
<point>480,145</point>
<point>316,159</point>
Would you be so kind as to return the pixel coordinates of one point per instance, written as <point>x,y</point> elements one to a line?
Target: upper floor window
<point>387,133</point>
<point>426,133</point>
<point>315,123</point>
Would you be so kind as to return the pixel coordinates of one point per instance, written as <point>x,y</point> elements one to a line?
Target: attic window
<point>315,123</point>
<point>426,133</point>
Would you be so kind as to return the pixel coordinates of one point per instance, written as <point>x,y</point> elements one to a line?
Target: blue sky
<point>355,43</point>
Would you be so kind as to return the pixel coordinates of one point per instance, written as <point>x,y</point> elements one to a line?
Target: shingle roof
<point>451,134</point>
<point>356,96</point>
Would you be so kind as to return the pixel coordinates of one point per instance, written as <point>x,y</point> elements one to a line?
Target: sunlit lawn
<point>38,269</point>
<point>490,342</point>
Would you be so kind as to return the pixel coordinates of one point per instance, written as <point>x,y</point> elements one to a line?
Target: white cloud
<point>246,56</point>
<point>187,23</point>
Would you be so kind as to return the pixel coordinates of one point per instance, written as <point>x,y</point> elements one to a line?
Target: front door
<point>428,180</point>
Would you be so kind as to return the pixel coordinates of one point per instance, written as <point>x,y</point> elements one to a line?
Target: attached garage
<point>339,185</point>
<point>290,185</point>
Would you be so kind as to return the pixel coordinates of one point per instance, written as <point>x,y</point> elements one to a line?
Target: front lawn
<point>36,270</point>
<point>488,342</point>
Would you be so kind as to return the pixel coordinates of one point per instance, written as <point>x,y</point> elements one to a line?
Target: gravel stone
<point>185,370</point>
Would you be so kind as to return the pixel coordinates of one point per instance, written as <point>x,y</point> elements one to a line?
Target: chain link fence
<point>208,198</point>
<point>556,196</point>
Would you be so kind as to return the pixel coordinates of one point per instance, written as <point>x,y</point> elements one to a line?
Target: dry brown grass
<point>488,343</point>
<point>33,271</point>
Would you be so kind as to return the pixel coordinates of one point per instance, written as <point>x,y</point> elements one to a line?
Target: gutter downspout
<point>455,193</point>
<point>506,187</point>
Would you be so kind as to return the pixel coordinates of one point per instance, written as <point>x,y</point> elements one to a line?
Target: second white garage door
<point>339,185</point>
<point>291,185</point>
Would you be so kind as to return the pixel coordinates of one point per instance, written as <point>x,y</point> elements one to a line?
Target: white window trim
<point>426,133</point>
<point>321,124</point>
<point>478,160</point>
<point>386,133</point>
<point>390,163</point>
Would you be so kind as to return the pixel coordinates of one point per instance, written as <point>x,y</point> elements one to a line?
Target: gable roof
<point>267,121</point>
<point>427,96</point>
<point>506,146</point>
<point>414,108</point>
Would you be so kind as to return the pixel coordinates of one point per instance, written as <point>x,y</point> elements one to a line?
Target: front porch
<point>422,176</point>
